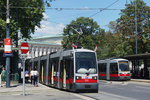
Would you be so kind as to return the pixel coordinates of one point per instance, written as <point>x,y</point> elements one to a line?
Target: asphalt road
<point>108,90</point>
<point>119,90</point>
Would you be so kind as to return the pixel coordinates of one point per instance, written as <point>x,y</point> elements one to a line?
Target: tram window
<point>85,62</point>
<point>69,68</point>
<point>124,66</point>
<point>102,67</point>
<point>113,68</point>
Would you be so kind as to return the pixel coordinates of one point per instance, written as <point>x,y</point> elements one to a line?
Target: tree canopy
<point>125,26</point>
<point>25,15</point>
<point>89,33</point>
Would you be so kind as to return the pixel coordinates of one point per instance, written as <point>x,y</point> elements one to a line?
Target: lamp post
<point>7,66</point>
<point>136,26</point>
<point>90,28</point>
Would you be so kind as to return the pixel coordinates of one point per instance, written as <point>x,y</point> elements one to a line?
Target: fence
<point>14,77</point>
<point>0,81</point>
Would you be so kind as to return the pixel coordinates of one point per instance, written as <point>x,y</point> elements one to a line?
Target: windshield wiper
<point>87,74</point>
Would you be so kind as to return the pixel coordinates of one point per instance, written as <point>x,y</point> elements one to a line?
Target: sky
<point>56,19</point>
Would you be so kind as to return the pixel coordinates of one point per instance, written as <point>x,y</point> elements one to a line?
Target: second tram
<point>114,69</point>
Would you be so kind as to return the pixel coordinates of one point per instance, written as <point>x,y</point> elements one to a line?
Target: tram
<point>114,69</point>
<point>73,70</point>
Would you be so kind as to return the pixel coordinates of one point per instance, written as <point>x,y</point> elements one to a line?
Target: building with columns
<point>44,45</point>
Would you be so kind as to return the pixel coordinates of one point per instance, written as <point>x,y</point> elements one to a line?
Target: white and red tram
<point>114,69</point>
<point>74,69</point>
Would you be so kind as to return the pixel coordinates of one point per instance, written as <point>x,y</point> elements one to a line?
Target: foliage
<point>125,26</point>
<point>87,28</point>
<point>25,15</point>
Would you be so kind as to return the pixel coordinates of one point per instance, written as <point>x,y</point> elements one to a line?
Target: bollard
<point>0,81</point>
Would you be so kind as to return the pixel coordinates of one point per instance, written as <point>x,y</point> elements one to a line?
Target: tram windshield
<point>85,63</point>
<point>123,65</point>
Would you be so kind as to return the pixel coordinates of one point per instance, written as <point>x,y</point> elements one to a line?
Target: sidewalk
<point>17,88</point>
<point>41,92</point>
<point>141,80</point>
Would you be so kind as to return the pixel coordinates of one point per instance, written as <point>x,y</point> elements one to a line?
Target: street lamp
<point>136,26</point>
<point>7,36</point>
<point>89,30</point>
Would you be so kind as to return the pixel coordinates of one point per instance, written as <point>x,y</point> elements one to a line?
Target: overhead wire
<point>104,8</point>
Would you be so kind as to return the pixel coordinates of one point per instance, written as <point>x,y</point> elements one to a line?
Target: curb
<point>145,81</point>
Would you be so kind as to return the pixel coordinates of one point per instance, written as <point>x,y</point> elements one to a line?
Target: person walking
<point>26,76</point>
<point>3,75</point>
<point>35,78</point>
<point>32,76</point>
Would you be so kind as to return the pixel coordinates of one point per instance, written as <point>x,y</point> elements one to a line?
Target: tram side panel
<point>42,72</point>
<point>62,76</point>
<point>49,72</point>
<point>47,69</point>
<point>114,71</point>
<point>69,73</point>
<point>55,73</point>
<point>102,71</point>
<point>52,73</point>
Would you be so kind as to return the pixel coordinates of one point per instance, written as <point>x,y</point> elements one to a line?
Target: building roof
<point>49,40</point>
<point>48,36</point>
<point>138,56</point>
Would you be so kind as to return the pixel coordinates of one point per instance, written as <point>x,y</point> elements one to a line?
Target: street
<point>120,90</point>
<point>114,90</point>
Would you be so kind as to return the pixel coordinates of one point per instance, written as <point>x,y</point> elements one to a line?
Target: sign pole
<point>24,49</point>
<point>7,58</point>
<point>23,63</point>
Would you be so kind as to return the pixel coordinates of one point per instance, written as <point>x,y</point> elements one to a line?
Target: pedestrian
<point>35,78</point>
<point>27,75</point>
<point>32,76</point>
<point>3,75</point>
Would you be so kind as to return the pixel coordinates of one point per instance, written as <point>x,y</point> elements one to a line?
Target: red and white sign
<point>7,45</point>
<point>75,46</point>
<point>95,48</point>
<point>24,48</point>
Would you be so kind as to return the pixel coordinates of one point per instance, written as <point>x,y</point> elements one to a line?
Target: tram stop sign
<point>24,48</point>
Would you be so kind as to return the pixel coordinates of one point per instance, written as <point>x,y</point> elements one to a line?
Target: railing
<point>0,81</point>
<point>14,77</point>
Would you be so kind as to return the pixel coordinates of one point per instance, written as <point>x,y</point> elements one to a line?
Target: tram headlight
<point>78,78</point>
<point>94,77</point>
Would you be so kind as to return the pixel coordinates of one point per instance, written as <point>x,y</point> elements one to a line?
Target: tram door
<point>42,73</point>
<point>52,76</point>
<point>108,71</point>
<point>64,76</point>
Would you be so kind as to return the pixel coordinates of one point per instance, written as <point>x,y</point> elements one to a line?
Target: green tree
<point>25,15</point>
<point>86,26</point>
<point>125,25</point>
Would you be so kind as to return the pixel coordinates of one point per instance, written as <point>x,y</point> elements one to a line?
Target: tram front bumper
<point>124,78</point>
<point>86,86</point>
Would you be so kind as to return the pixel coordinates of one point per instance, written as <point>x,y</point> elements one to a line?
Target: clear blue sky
<point>56,20</point>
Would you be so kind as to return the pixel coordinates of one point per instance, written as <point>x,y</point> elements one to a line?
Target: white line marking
<point>82,97</point>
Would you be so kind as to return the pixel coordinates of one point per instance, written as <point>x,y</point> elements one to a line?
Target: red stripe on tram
<point>124,74</point>
<point>86,81</point>
<point>70,81</point>
<point>101,74</point>
<point>113,75</point>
